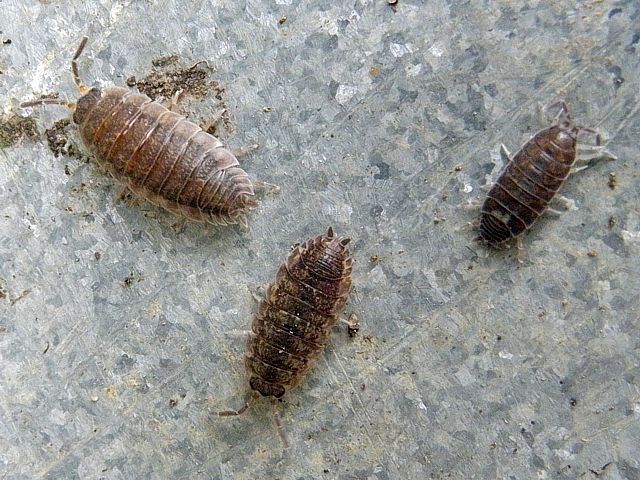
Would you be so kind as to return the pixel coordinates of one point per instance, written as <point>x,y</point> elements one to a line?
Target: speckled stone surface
<point>119,331</point>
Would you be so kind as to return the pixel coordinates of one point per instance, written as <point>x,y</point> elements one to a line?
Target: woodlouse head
<point>334,243</point>
<point>335,250</point>
<point>330,238</point>
<point>566,138</point>
<point>85,104</point>
<point>560,142</point>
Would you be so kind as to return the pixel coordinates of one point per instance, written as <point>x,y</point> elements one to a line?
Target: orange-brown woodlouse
<point>533,176</point>
<point>294,320</point>
<point>160,155</point>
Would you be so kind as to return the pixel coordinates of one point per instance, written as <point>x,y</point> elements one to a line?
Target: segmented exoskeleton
<point>533,176</point>
<point>160,155</point>
<point>295,318</point>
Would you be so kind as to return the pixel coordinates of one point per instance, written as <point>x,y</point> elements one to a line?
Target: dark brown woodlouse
<point>533,176</point>
<point>294,320</point>
<point>159,155</point>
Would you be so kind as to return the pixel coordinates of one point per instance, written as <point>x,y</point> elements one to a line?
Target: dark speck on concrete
<point>616,72</point>
<point>14,128</point>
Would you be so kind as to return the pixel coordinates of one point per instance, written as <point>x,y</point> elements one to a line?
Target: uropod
<point>158,154</point>
<point>533,176</point>
<point>294,320</point>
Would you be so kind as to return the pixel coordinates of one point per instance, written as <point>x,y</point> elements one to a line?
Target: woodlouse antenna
<point>595,132</point>
<point>276,420</point>
<point>52,101</point>
<point>74,66</point>
<point>330,233</point>
<point>563,117</point>
<point>234,413</point>
<point>195,65</point>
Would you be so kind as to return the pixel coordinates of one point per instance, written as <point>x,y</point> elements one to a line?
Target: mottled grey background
<point>384,125</point>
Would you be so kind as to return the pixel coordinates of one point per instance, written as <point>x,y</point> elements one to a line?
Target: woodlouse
<point>533,176</point>
<point>160,155</point>
<point>294,320</point>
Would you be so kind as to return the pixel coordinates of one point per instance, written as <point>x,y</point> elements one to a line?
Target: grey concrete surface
<point>385,125</point>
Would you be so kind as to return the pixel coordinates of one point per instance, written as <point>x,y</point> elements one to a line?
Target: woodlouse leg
<point>352,323</point>
<point>563,117</point>
<point>587,155</point>
<point>125,195</point>
<point>505,153</point>
<point>578,169</point>
<point>239,333</point>
<point>120,193</point>
<point>473,225</point>
<point>195,65</point>
<point>472,204</point>
<point>258,292</point>
<point>264,188</point>
<point>562,202</point>
<point>172,103</point>
<point>593,149</point>
<point>239,152</point>
<point>541,113</point>
<point>552,211</point>
<point>180,226</point>
<point>243,222</point>
<point>244,408</point>
<point>584,160</point>
<point>565,202</point>
<point>593,131</point>
<point>276,419</point>
<point>521,253</point>
<point>208,125</point>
